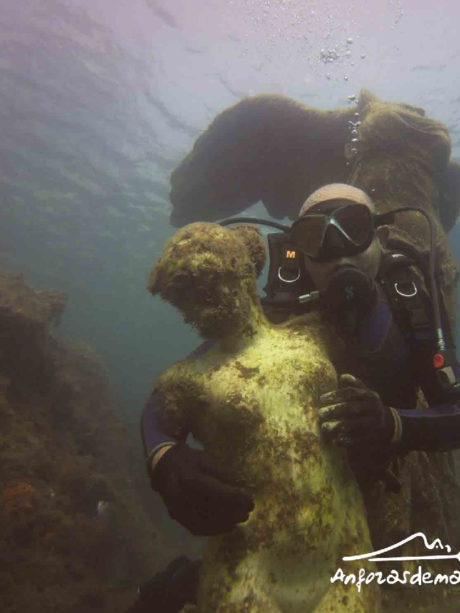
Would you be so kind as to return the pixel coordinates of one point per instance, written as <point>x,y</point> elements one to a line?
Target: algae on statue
<point>252,401</point>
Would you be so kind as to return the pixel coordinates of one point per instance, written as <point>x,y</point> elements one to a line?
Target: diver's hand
<point>200,496</point>
<point>354,415</point>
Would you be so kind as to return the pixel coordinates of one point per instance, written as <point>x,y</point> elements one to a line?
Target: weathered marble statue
<point>252,402</point>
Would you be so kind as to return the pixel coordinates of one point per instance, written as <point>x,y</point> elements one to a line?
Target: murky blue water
<point>100,100</point>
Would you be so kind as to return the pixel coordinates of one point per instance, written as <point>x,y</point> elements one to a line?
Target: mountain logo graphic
<point>374,556</point>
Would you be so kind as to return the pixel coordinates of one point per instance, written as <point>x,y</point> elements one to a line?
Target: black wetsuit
<point>382,359</point>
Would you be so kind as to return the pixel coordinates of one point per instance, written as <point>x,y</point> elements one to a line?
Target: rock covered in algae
<point>60,432</point>
<point>273,149</point>
<point>252,401</point>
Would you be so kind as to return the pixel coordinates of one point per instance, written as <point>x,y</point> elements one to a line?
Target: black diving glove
<point>200,496</point>
<point>169,590</point>
<point>354,417</point>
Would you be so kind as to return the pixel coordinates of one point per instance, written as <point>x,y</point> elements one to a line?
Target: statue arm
<point>155,434</point>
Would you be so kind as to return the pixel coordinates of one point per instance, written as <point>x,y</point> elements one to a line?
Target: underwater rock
<point>17,497</point>
<point>63,448</point>
<point>269,148</point>
<point>276,150</point>
<point>20,306</point>
<point>24,310</point>
<point>25,315</point>
<point>252,400</point>
<point>57,303</point>
<point>450,195</point>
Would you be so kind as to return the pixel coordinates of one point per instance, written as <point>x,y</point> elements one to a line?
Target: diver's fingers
<point>346,379</point>
<point>234,501</point>
<point>211,468</point>
<point>331,430</point>
<point>347,393</point>
<point>349,432</point>
<point>346,410</point>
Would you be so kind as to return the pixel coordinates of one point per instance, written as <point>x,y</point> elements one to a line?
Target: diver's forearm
<point>157,453</point>
<point>433,429</point>
<point>154,434</point>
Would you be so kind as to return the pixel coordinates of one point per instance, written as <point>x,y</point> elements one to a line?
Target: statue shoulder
<point>312,321</point>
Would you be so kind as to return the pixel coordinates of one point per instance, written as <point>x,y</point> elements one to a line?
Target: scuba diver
<point>397,338</point>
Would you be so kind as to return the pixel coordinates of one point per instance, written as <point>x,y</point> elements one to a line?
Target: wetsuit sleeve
<point>153,432</point>
<point>438,427</point>
<point>433,429</point>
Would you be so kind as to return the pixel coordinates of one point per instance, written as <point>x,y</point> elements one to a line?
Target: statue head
<point>209,273</point>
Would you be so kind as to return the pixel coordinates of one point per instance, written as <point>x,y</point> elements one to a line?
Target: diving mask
<point>333,229</point>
